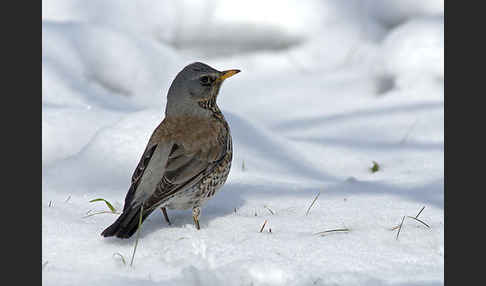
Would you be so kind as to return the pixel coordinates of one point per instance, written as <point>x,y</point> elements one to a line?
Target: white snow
<point>326,88</point>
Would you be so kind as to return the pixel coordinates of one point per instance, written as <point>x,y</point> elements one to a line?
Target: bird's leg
<point>196,211</point>
<point>164,211</point>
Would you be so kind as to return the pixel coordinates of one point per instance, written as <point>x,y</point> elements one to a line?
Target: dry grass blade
<point>420,212</point>
<point>263,226</point>
<point>315,199</point>
<point>333,230</point>
<point>269,209</point>
<point>409,131</point>
<point>414,218</point>
<point>138,234</point>
<point>106,202</point>
<point>400,227</point>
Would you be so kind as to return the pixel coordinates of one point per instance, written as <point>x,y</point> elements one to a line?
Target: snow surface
<point>326,88</point>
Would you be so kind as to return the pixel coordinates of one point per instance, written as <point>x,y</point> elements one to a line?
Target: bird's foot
<point>164,211</point>
<point>195,215</point>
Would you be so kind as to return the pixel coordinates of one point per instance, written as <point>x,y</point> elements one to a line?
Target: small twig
<point>138,234</point>
<point>414,218</point>
<point>263,226</point>
<point>50,203</point>
<point>269,209</point>
<point>333,230</point>
<point>68,198</point>
<point>315,199</point>
<point>400,228</point>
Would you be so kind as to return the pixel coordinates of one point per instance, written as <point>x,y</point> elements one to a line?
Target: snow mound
<point>109,63</point>
<point>327,89</point>
<point>421,43</point>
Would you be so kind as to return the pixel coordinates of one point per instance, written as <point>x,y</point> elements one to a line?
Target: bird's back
<point>199,146</point>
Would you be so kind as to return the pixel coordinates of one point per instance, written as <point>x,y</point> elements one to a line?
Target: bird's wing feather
<point>147,174</point>
<point>184,169</point>
<point>173,163</point>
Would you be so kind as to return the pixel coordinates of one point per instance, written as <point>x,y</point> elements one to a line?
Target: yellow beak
<point>227,74</point>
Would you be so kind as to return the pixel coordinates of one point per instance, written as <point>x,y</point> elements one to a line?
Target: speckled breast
<point>207,186</point>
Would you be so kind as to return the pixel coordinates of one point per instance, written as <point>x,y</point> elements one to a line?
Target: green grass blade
<point>101,212</point>
<point>113,210</point>
<point>138,234</point>
<point>121,256</point>
<point>375,168</point>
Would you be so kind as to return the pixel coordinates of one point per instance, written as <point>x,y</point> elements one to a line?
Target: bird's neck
<point>204,108</point>
<point>210,105</point>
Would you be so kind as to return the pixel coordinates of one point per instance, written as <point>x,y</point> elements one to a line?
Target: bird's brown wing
<point>144,178</point>
<point>177,156</point>
<point>184,169</point>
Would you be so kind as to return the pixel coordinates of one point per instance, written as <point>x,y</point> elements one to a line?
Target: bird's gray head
<point>196,83</point>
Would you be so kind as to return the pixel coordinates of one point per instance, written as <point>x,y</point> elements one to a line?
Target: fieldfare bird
<point>188,156</point>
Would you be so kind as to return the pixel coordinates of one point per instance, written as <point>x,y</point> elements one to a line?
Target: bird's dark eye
<point>205,80</point>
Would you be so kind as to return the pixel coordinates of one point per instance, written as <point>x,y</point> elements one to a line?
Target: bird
<point>188,156</point>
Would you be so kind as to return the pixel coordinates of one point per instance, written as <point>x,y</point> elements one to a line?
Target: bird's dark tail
<point>127,223</point>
